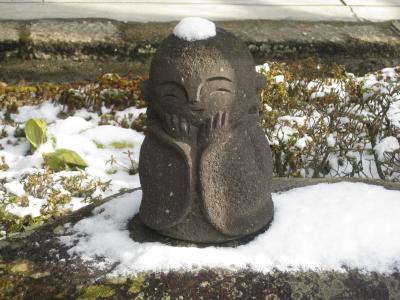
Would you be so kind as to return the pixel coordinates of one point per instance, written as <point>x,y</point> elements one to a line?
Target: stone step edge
<point>97,38</point>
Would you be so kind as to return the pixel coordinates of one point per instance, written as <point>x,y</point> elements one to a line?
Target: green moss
<point>99,145</point>
<point>3,164</point>
<point>116,145</point>
<point>22,267</point>
<point>6,287</point>
<point>111,171</point>
<point>137,284</point>
<point>39,275</point>
<point>121,145</point>
<point>96,291</point>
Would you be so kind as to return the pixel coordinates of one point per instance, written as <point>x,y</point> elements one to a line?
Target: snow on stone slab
<point>320,227</point>
<point>195,29</point>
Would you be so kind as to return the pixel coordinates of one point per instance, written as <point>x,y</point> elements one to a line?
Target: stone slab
<point>9,31</point>
<point>34,265</point>
<point>20,1</point>
<point>49,31</point>
<point>377,13</point>
<point>76,49</point>
<point>372,2</point>
<point>9,39</point>
<point>224,2</point>
<point>152,12</point>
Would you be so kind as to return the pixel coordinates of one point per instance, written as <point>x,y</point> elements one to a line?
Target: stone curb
<point>64,50</point>
<point>100,38</point>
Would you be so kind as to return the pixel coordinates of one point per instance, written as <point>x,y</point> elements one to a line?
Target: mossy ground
<point>38,267</point>
<point>210,284</point>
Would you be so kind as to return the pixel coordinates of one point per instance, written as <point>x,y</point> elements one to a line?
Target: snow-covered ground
<point>321,227</point>
<point>103,147</point>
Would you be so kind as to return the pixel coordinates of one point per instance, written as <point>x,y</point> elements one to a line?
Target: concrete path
<point>171,10</point>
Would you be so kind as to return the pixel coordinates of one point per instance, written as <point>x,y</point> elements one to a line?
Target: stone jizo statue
<point>205,165</point>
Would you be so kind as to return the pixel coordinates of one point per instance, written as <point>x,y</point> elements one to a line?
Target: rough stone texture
<point>205,166</point>
<point>69,31</point>
<point>361,46</point>
<point>79,39</point>
<point>9,31</point>
<point>36,266</point>
<point>9,38</point>
<point>66,70</point>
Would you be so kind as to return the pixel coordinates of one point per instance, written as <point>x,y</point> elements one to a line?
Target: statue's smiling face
<point>195,96</point>
<point>197,80</point>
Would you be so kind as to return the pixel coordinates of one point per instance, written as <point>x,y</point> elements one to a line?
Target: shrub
<point>325,122</point>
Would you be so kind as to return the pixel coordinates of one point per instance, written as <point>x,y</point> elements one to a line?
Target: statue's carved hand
<point>180,129</point>
<point>214,127</point>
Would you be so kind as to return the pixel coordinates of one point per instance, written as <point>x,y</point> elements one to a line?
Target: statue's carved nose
<point>194,92</point>
<point>194,97</point>
<point>194,100</point>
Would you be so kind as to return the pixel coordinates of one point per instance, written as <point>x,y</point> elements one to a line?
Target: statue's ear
<point>260,83</point>
<point>144,88</point>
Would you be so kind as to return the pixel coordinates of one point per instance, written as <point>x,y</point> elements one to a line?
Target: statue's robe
<point>228,183</point>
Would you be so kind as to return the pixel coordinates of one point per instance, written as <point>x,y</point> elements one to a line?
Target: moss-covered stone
<point>96,292</point>
<point>6,287</point>
<point>23,267</point>
<point>72,278</point>
<point>38,275</point>
<point>137,284</point>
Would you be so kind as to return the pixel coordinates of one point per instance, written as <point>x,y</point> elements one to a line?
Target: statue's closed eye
<point>218,85</point>
<point>169,97</point>
<point>223,90</point>
<point>171,90</point>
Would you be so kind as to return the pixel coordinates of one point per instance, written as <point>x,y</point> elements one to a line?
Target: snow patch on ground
<point>107,134</point>
<point>195,29</point>
<point>279,78</point>
<point>33,208</point>
<point>47,110</point>
<point>321,227</point>
<point>80,133</point>
<point>15,188</point>
<point>262,68</point>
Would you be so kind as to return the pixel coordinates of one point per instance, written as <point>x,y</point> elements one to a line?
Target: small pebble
<point>59,230</point>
